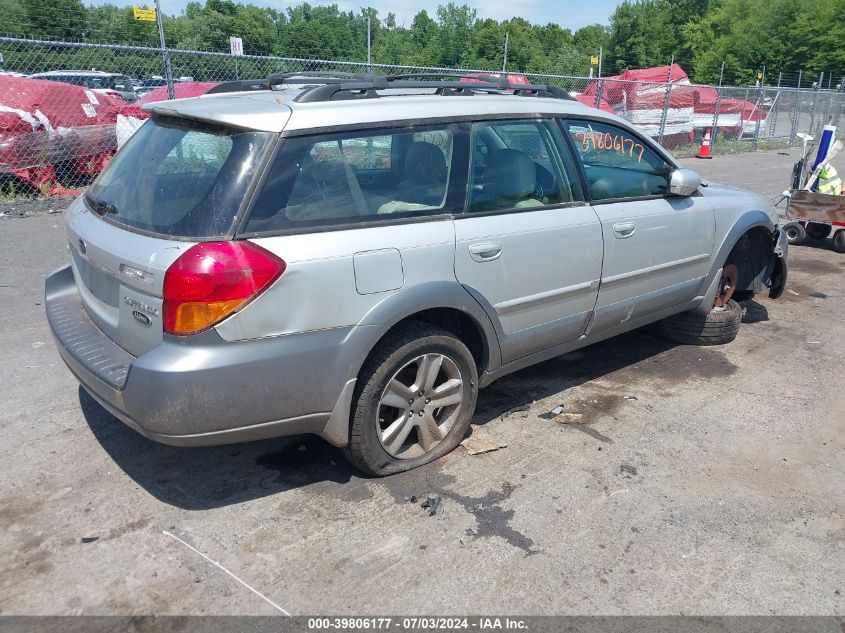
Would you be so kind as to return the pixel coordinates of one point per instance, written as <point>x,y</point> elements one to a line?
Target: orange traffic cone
<point>704,150</point>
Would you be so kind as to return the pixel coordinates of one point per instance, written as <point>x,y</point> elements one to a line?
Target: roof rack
<point>337,86</point>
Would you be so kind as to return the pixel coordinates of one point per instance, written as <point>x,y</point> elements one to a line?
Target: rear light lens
<point>212,280</point>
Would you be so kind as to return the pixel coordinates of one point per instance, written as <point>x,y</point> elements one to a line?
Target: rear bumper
<point>204,390</point>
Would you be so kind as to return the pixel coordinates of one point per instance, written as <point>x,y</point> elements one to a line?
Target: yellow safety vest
<point>829,181</point>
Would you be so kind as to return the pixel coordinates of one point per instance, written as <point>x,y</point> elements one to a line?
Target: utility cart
<point>815,216</point>
<point>811,214</point>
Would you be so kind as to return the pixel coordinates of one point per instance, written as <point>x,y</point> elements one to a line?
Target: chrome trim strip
<point>653,269</point>
<point>506,307</point>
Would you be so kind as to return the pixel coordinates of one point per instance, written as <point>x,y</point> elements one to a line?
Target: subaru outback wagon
<point>356,256</point>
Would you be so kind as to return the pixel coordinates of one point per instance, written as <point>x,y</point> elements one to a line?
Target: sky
<point>567,13</point>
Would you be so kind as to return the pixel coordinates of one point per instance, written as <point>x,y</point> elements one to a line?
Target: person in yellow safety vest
<point>829,181</point>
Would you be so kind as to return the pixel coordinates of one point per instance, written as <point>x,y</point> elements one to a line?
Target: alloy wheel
<point>419,405</point>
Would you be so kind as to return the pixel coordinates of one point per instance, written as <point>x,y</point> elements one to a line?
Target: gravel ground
<point>24,208</point>
<point>699,481</point>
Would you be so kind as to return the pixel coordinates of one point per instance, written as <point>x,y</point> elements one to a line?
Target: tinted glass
<point>335,179</point>
<point>518,165</point>
<point>618,164</point>
<point>179,178</point>
<point>123,84</point>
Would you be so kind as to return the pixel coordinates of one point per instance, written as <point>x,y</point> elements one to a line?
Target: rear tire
<point>691,328</point>
<point>795,233</point>
<point>818,231</point>
<point>839,241</point>
<point>392,392</point>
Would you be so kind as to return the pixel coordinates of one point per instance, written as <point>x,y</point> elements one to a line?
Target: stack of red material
<point>640,97</point>
<point>47,127</point>
<point>589,100</point>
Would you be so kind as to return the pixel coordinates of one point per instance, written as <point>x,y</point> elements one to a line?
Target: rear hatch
<point>175,183</point>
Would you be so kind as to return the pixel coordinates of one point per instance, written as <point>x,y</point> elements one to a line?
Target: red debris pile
<point>52,131</point>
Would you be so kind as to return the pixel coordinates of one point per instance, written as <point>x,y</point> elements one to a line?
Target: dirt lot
<point>702,480</point>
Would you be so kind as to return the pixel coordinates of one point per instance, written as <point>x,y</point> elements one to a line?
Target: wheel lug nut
<point>421,413</point>
<point>428,400</point>
<point>411,401</point>
<point>422,393</point>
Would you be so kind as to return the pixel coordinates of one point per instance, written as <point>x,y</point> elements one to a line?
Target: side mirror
<point>684,182</point>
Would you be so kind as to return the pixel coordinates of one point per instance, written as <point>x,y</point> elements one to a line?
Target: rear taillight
<point>212,280</point>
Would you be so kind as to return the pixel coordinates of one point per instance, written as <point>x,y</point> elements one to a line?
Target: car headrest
<point>425,164</point>
<point>511,172</point>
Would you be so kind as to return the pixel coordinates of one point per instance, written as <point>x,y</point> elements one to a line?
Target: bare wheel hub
<point>418,406</point>
<point>727,286</point>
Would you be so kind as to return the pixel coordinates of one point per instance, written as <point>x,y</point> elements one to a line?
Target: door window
<point>617,163</point>
<point>123,84</point>
<point>333,179</point>
<point>519,165</point>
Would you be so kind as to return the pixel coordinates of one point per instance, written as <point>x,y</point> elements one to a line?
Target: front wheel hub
<point>727,286</point>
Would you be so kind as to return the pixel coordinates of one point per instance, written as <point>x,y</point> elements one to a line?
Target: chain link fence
<point>55,137</point>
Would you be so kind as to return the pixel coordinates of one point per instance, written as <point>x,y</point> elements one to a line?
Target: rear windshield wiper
<point>100,207</point>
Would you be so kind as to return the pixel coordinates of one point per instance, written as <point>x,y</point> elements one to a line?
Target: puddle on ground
<point>814,266</point>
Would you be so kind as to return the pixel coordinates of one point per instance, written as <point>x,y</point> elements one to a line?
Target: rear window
<point>179,178</point>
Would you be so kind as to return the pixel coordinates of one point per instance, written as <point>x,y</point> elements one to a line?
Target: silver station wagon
<point>356,256</point>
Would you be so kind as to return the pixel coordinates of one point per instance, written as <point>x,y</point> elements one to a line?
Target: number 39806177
<point>607,142</point>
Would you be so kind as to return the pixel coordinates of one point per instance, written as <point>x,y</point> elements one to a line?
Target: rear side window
<point>123,83</point>
<point>179,178</point>
<point>338,179</point>
<point>617,163</point>
<point>520,165</point>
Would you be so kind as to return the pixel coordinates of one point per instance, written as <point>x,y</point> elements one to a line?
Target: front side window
<point>336,179</point>
<point>518,165</point>
<point>617,163</point>
<point>179,178</point>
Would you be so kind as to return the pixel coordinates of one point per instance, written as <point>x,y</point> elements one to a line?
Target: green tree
<point>55,19</point>
<point>455,24</point>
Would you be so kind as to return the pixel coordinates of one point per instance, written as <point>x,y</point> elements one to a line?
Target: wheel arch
<point>445,304</point>
<point>749,240</point>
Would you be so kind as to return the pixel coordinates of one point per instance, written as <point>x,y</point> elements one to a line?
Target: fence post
<point>666,101</point>
<point>840,101</point>
<point>168,73</point>
<point>758,110</point>
<point>795,115</point>
<point>776,109</point>
<point>715,134</point>
<point>816,90</point>
<point>599,91</point>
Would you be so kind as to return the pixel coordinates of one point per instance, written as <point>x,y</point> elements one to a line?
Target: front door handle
<point>485,252</point>
<point>624,230</point>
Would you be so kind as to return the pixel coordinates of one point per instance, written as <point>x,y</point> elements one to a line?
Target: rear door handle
<point>485,252</point>
<point>624,230</point>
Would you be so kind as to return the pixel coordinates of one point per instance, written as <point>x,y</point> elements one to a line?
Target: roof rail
<point>336,86</point>
<point>245,85</point>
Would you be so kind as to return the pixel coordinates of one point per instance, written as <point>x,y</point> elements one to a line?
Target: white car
<point>112,84</point>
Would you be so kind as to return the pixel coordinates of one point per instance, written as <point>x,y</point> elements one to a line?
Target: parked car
<point>353,261</point>
<point>143,88</point>
<point>112,84</point>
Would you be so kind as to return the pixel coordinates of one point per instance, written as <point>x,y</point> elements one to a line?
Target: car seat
<point>510,182</point>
